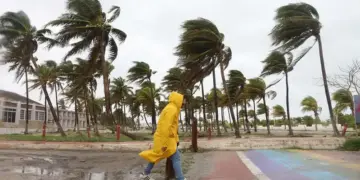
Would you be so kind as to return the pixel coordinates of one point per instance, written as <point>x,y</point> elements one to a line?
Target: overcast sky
<point>153,29</point>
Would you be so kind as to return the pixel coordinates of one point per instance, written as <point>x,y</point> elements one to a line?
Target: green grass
<point>71,137</point>
<point>352,144</point>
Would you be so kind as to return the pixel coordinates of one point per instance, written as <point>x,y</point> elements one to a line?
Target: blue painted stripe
<point>274,170</point>
<point>305,166</point>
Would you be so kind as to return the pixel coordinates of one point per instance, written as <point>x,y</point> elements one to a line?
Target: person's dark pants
<point>176,163</point>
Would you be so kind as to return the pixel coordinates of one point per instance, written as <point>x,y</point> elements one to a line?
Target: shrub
<point>352,144</point>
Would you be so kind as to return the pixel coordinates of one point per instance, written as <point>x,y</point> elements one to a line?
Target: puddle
<point>38,171</point>
<point>58,172</point>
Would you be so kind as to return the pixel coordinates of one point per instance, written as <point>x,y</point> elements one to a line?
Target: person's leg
<point>148,168</point>
<point>176,162</point>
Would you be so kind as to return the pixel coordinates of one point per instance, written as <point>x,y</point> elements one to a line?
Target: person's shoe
<point>145,177</point>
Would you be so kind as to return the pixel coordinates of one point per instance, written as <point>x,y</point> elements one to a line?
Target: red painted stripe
<point>228,166</point>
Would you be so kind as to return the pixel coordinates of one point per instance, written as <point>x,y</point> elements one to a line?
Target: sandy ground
<point>77,165</point>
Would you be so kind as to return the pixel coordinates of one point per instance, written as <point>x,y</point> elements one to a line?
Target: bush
<point>352,144</point>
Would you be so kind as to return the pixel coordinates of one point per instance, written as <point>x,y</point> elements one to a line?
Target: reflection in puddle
<point>38,171</point>
<point>60,172</point>
<point>97,176</point>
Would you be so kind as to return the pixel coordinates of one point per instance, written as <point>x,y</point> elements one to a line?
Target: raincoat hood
<point>176,98</point>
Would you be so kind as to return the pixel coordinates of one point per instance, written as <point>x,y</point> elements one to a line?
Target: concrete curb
<point>224,144</point>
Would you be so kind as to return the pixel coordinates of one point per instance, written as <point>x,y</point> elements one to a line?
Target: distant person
<point>166,138</point>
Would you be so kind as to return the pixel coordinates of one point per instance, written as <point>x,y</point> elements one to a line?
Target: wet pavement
<point>219,165</point>
<point>70,165</point>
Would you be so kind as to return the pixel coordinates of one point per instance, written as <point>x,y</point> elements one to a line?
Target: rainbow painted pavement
<point>301,165</point>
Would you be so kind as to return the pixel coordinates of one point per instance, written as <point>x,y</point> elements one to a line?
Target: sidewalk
<point>214,144</point>
<point>275,165</point>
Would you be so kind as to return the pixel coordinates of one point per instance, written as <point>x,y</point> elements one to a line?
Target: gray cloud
<point>153,28</point>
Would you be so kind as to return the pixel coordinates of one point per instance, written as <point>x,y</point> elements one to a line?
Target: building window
<point>9,115</point>
<point>22,114</point>
<point>39,115</point>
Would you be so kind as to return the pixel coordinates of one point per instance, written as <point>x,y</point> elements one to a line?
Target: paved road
<point>227,165</point>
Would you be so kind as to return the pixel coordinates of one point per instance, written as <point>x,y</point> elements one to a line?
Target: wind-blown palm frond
<point>343,99</point>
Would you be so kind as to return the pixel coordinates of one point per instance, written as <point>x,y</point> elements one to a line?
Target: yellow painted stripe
<point>329,159</point>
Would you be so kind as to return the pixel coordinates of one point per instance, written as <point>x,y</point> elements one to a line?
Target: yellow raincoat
<point>166,134</point>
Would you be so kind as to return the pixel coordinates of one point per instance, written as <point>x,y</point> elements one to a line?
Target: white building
<point>13,109</point>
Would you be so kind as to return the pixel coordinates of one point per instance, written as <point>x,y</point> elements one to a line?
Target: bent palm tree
<point>141,73</point>
<point>20,40</point>
<point>200,51</point>
<point>309,104</point>
<point>295,24</point>
<point>257,89</point>
<point>87,24</point>
<point>278,111</point>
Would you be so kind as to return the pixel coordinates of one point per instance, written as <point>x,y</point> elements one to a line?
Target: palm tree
<point>55,81</point>
<point>174,81</point>
<point>296,23</point>
<point>87,24</point>
<point>200,50</point>
<point>278,111</point>
<point>257,89</point>
<point>344,99</point>
<point>120,92</point>
<point>309,104</point>
<point>141,73</point>
<point>210,98</point>
<point>236,83</point>
<point>222,103</point>
<point>19,41</point>
<point>21,67</point>
<point>276,63</point>
<point>262,109</point>
<point>44,75</point>
<point>244,98</point>
<point>71,94</point>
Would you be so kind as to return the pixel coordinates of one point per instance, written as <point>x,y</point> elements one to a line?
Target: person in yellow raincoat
<point>166,138</point>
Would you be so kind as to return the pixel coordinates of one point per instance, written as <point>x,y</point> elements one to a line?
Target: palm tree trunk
<point>186,117</point>
<point>255,117</point>
<point>230,104</point>
<point>56,119</point>
<point>27,103</point>
<point>93,108</point>
<point>57,103</point>
<point>45,120</point>
<point>144,116</point>
<point>138,121</point>
<point>105,78</point>
<point>203,103</point>
<point>328,99</point>
<point>199,111</point>
<point>237,114</point>
<point>181,122</point>
<point>222,119</point>
<point>231,125</point>
<point>291,133</point>
<point>266,115</point>
<point>87,113</point>
<point>316,120</point>
<point>153,111</point>
<point>216,104</point>
<point>53,112</point>
<point>246,117</point>
<point>76,117</point>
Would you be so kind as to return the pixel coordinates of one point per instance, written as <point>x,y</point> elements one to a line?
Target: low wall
<point>225,144</point>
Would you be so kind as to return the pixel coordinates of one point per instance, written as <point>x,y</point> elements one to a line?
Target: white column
<point>17,115</point>
<point>33,110</point>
